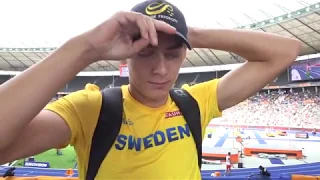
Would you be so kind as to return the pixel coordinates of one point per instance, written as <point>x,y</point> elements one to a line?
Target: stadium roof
<point>302,24</point>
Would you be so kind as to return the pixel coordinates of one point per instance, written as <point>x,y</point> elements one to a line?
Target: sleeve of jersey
<point>206,95</point>
<point>80,110</point>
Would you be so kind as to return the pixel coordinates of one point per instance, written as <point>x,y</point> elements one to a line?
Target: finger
<point>139,45</point>
<point>164,27</point>
<point>152,32</point>
<point>141,22</point>
<point>125,22</point>
<point>143,27</point>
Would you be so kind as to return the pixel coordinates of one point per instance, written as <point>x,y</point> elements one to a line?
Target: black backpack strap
<point>191,113</point>
<point>107,129</point>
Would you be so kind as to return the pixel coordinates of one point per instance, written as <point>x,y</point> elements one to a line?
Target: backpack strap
<point>191,113</point>
<point>107,129</point>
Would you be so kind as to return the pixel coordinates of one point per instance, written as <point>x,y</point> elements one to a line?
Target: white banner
<point>124,71</point>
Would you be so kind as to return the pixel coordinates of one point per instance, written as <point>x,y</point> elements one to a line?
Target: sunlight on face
<point>154,70</point>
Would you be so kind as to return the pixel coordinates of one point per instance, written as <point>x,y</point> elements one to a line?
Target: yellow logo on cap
<point>158,8</point>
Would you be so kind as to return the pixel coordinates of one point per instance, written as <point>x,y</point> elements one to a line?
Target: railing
<point>294,128</point>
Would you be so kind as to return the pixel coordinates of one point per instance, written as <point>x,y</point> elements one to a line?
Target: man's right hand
<point>116,38</point>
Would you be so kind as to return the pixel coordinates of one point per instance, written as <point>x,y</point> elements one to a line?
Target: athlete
<point>9,172</point>
<point>154,38</point>
<point>228,164</point>
<point>308,71</point>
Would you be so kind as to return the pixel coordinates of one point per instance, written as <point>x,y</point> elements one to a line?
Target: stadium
<point>278,128</point>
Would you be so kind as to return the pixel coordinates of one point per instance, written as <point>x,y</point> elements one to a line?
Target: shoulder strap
<point>108,127</point>
<point>191,113</point>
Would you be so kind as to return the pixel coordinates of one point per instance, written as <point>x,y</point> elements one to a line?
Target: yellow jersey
<point>153,143</point>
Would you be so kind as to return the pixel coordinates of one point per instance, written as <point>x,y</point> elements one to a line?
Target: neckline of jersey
<point>127,94</point>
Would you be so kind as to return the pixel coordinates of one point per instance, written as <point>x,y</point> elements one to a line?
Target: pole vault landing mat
<point>217,153</point>
<point>249,150</point>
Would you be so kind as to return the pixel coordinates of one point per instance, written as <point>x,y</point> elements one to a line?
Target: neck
<point>152,103</point>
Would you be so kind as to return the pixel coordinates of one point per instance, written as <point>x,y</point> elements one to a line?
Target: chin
<point>158,94</point>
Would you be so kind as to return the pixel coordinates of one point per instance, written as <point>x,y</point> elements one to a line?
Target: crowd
<point>278,108</point>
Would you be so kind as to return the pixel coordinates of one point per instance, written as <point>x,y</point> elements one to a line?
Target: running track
<point>282,172</point>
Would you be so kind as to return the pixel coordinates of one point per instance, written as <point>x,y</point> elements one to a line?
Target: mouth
<point>159,83</point>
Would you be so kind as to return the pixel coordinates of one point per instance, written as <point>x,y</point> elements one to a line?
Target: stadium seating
<point>296,109</point>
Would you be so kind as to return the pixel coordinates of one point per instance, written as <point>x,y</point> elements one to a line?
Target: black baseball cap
<point>164,11</point>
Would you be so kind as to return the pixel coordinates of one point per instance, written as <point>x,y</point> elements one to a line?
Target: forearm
<point>252,45</point>
<point>25,95</point>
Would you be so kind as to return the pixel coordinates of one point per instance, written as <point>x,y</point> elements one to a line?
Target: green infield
<point>66,160</point>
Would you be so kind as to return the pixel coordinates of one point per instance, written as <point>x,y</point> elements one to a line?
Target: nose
<point>160,66</point>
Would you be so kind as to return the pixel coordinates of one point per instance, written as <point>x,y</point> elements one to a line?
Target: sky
<point>51,22</point>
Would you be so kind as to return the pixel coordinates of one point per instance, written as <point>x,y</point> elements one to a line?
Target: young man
<point>228,164</point>
<point>154,38</point>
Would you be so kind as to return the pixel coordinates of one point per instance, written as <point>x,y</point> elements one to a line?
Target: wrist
<point>211,38</point>
<point>83,50</point>
<point>193,37</point>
